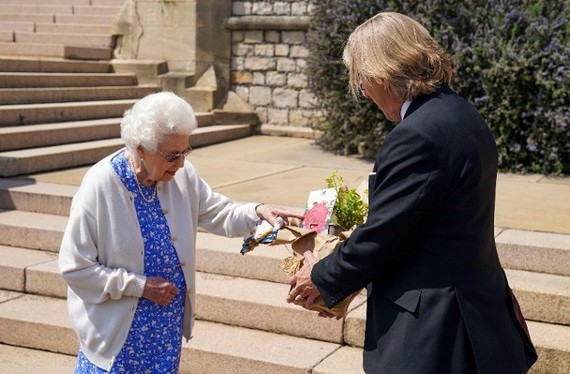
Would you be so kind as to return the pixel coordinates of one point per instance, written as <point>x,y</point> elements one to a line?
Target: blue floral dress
<point>155,338</point>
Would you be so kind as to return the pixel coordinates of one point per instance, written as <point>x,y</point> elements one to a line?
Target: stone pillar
<point>188,34</point>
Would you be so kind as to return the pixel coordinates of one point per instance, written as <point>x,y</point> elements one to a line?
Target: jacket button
<point>174,238</point>
<point>164,211</point>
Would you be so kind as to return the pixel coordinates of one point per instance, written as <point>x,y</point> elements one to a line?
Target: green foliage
<point>510,61</point>
<point>349,210</point>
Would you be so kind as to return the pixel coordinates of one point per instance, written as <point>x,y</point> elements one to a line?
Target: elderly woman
<point>128,252</point>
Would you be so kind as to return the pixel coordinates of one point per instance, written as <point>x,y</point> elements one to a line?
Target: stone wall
<point>269,64</point>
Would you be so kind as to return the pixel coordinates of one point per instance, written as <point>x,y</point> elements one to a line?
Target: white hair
<point>155,116</point>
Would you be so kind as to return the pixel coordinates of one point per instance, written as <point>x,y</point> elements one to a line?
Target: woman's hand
<point>270,213</point>
<point>159,290</point>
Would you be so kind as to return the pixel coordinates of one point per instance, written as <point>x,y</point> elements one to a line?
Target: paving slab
<point>529,204</point>
<point>18,360</point>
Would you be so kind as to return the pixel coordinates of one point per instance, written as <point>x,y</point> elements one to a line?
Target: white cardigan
<point>102,253</point>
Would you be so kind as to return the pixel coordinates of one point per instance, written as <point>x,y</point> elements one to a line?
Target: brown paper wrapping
<point>302,240</point>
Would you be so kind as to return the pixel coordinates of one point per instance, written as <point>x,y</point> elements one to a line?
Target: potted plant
<point>349,209</point>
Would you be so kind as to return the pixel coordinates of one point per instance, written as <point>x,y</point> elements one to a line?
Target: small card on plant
<point>319,211</point>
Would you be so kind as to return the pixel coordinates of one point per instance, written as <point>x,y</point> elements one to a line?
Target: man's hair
<point>398,50</point>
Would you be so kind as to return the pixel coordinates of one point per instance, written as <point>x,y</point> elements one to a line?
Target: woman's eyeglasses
<point>173,157</point>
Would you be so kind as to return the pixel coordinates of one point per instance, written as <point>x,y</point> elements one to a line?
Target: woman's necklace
<point>146,199</point>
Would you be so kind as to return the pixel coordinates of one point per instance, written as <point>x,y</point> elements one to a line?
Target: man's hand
<point>159,290</point>
<point>303,291</point>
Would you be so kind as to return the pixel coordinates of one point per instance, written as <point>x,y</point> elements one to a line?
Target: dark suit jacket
<point>438,299</point>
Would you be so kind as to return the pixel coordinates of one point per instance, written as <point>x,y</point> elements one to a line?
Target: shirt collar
<point>404,108</point>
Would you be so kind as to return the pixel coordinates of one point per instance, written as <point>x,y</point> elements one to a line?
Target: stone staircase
<point>56,112</point>
<point>79,29</point>
<point>244,325</point>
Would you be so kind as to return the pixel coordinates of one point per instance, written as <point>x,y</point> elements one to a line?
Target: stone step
<point>213,348</point>
<point>6,36</point>
<point>219,255</point>
<point>49,134</point>
<point>261,305</point>
<point>30,271</point>
<point>25,8</point>
<point>21,49</point>
<point>17,26</point>
<point>26,17</point>
<point>45,65</point>
<point>29,114</point>
<point>27,195</point>
<point>534,251</point>
<point>59,10</point>
<point>543,252</point>
<point>42,80</point>
<point>57,2</point>
<point>213,134</point>
<point>33,136</point>
<point>72,28</point>
<point>25,360</point>
<point>84,19</point>
<point>551,341</point>
<point>116,3</point>
<point>102,2</point>
<point>543,297</point>
<point>35,160</point>
<point>249,303</point>
<point>55,50</point>
<point>65,39</point>
<point>218,348</point>
<point>31,230</point>
<point>21,326</point>
<point>13,96</point>
<point>105,10</point>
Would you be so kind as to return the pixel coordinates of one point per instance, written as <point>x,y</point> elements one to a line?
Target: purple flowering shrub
<point>510,60</point>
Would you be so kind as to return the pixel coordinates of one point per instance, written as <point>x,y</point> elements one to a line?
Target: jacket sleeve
<point>404,199</point>
<point>79,263</point>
